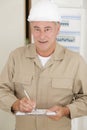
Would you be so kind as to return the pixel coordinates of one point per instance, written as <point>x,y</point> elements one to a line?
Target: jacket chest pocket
<point>21,84</point>
<point>62,83</point>
<point>60,91</point>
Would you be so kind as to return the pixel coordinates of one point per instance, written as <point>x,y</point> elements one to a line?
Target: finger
<point>26,107</point>
<point>26,102</point>
<point>34,104</point>
<point>54,108</point>
<point>54,117</point>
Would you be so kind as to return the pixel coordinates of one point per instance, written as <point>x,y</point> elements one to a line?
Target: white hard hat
<point>44,10</point>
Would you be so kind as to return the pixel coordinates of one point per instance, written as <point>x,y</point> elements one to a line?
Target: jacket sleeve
<point>7,97</point>
<point>79,105</point>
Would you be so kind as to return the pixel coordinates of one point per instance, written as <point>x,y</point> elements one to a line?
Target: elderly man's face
<point>44,34</point>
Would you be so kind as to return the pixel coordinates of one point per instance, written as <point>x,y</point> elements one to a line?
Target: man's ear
<point>58,27</point>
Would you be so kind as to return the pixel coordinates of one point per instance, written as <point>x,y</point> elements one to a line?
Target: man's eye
<point>37,29</point>
<point>47,29</point>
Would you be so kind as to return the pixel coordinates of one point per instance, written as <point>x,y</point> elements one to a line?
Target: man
<point>44,75</point>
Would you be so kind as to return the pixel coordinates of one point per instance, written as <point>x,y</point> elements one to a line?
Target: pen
<point>27,95</point>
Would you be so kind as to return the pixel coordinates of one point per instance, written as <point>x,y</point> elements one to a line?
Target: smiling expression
<point>44,34</point>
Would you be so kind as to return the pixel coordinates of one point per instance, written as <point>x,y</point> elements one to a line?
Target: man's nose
<point>42,34</point>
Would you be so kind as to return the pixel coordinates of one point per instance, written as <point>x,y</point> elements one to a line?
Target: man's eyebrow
<point>36,27</point>
<point>47,27</point>
<point>44,27</point>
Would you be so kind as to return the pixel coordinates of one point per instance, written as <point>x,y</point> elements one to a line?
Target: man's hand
<point>23,105</point>
<point>60,112</point>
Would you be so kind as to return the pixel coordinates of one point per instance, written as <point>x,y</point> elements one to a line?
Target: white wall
<point>84,33</point>
<point>12,27</point>
<point>12,35</point>
<point>65,3</point>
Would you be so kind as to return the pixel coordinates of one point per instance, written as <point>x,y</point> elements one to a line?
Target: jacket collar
<point>57,55</point>
<point>59,52</point>
<point>31,51</point>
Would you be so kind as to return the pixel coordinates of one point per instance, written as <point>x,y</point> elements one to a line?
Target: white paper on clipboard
<point>38,112</point>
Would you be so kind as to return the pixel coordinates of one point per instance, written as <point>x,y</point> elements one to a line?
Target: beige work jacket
<point>62,81</point>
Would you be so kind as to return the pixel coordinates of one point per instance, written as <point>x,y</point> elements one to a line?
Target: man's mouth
<point>43,42</point>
